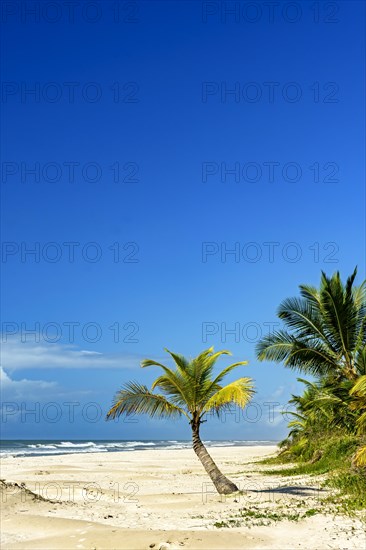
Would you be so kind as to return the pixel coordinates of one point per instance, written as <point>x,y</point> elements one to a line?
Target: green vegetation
<point>192,391</point>
<point>264,516</point>
<point>325,336</point>
<point>336,455</point>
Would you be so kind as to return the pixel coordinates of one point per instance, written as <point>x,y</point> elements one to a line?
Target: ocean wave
<point>69,444</point>
<point>23,448</point>
<point>41,446</point>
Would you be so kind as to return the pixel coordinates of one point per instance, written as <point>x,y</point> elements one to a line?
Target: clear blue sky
<point>172,95</point>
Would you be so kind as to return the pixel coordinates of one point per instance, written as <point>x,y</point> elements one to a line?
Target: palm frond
<point>181,361</point>
<point>359,295</point>
<point>311,294</point>
<point>135,398</point>
<point>300,417</point>
<point>179,385</point>
<point>296,424</point>
<point>201,369</point>
<point>302,317</point>
<point>308,383</point>
<point>202,365</point>
<point>313,358</point>
<point>361,424</point>
<point>226,371</point>
<point>275,347</point>
<point>239,393</point>
<point>359,387</point>
<point>339,312</point>
<point>171,387</point>
<point>214,386</point>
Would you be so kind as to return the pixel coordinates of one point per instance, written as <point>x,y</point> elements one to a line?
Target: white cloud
<point>18,355</point>
<point>18,389</point>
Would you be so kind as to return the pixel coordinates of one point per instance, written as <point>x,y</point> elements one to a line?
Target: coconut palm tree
<point>325,330</point>
<point>192,391</point>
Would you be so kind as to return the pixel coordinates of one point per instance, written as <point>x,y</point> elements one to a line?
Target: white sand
<point>132,500</point>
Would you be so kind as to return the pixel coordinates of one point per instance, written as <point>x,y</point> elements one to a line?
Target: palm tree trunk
<point>223,485</point>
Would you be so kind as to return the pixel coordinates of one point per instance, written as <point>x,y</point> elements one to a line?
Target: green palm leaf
<point>359,388</point>
<point>238,393</point>
<point>302,317</point>
<point>178,386</point>
<point>135,398</point>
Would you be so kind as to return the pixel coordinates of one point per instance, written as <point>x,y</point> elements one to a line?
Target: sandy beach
<point>164,499</point>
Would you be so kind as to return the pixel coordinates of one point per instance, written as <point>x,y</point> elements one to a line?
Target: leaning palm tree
<point>189,390</point>
<point>325,330</point>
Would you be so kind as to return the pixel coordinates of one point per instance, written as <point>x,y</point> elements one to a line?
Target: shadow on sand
<point>296,490</point>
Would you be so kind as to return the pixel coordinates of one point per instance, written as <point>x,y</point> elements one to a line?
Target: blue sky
<point>156,140</point>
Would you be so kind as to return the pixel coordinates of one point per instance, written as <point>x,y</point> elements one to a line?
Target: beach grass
<point>330,456</point>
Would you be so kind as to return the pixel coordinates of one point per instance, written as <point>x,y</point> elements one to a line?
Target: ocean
<point>27,447</point>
